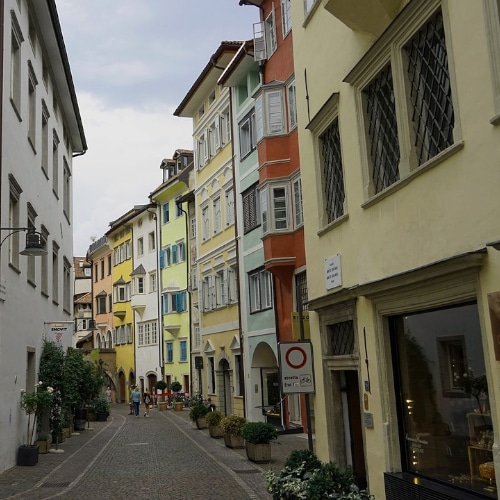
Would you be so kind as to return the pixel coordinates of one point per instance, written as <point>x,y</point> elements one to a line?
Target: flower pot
<point>81,414</point>
<point>67,432</point>
<point>258,453</point>
<point>92,416</point>
<point>101,417</point>
<point>178,406</point>
<point>162,405</point>
<point>27,455</point>
<point>201,423</point>
<point>233,441</point>
<point>43,447</point>
<point>80,425</point>
<point>215,431</point>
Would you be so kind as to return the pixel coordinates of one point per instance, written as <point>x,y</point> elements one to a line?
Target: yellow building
<point>174,270</point>
<point>120,239</point>
<point>399,138</point>
<point>209,107</point>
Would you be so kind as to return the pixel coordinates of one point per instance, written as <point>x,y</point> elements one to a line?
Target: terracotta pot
<point>179,406</point>
<point>162,405</point>
<point>258,453</point>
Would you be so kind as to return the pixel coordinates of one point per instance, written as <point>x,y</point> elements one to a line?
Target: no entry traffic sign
<point>296,367</point>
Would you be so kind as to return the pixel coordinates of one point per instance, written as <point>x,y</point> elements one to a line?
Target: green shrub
<point>176,386</point>
<point>232,424</point>
<point>259,432</point>
<point>214,417</point>
<point>199,410</point>
<point>160,385</point>
<point>100,405</point>
<point>312,479</point>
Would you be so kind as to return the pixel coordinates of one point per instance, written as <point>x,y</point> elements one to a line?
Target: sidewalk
<point>158,457</point>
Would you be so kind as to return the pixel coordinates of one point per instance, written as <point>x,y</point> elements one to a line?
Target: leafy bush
<point>199,410</point>
<point>232,424</point>
<point>312,479</point>
<point>100,405</point>
<point>214,417</point>
<point>176,386</point>
<point>259,432</point>
<point>160,385</point>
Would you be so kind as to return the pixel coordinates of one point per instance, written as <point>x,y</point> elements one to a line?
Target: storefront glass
<point>446,427</point>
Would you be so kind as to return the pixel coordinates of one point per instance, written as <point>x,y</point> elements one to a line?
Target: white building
<point>40,132</point>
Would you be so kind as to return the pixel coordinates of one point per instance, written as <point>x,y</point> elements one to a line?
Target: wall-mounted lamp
<point>34,240</point>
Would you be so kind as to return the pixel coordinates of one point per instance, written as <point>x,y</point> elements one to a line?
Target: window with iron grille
<point>301,290</point>
<point>427,67</point>
<point>382,130</point>
<point>340,338</point>
<point>333,174</point>
<point>250,209</point>
<point>407,71</point>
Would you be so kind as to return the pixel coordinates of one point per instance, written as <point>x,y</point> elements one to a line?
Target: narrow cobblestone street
<point>163,456</point>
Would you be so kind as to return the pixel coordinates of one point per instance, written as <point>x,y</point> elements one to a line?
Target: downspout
<point>236,238</point>
<point>2,26</point>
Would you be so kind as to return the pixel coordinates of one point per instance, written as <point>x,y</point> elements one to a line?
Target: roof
<point>83,298</point>
<point>138,270</point>
<point>239,66</point>
<point>216,64</point>
<point>128,216</point>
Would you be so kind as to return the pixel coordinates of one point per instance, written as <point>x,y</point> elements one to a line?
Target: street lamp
<point>34,240</point>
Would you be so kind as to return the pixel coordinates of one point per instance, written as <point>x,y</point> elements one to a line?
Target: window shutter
<point>201,298</point>
<point>178,302</point>
<point>205,146</point>
<point>217,133</point>
<point>225,287</point>
<point>174,254</point>
<point>259,42</point>
<point>162,259</point>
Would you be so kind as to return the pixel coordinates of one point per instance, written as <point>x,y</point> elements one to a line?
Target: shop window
<point>445,425</point>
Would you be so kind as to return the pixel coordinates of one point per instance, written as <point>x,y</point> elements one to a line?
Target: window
<point>286,16</point>
<point>248,139</point>
<point>308,5</point>
<point>31,259</point>
<point>169,349</point>
<point>45,139</point>
<point>438,360</point>
<point>232,285</point>
<point>55,163</point>
<point>122,292</point>
<point>225,127</point>
<point>419,81</point>
<point>166,213</point>
<point>152,282</point>
<point>32,83</point>
<point>301,290</point>
<point>55,273</point>
<point>109,265</point>
<point>183,350</point>
<point>205,220</point>
<point>217,215</point>
<point>332,172</point>
<point>67,286</point>
<point>260,290</point>
<point>193,227</point>
<point>139,283</point>
<point>269,113</point>
<point>181,251</point>
<point>140,246</point>
<point>154,332</point>
<point>229,207</point>
<point>202,150</point>
<point>15,194</point>
<point>297,202</point>
<point>197,337</point>
<point>152,241</point>
<point>250,209</point>
<point>101,304</point>
<point>66,189</point>
<point>102,269</point>
<point>213,139</point>
<point>15,64</point>
<point>270,34</point>
<point>174,302</point>
<point>292,105</point>
<point>140,334</point>
<point>147,333</point>
<point>280,207</point>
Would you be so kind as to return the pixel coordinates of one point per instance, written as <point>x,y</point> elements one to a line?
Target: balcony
<point>138,302</point>
<point>371,16</point>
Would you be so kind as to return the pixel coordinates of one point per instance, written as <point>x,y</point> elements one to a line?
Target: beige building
<point>398,114</point>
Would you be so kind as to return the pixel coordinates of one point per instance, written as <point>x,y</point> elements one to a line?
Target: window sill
<point>433,162</point>
<point>16,110</point>
<point>14,268</point>
<point>332,225</point>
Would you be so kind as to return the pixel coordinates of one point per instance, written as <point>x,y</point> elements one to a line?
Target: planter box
<point>59,438</point>
<point>258,453</point>
<point>215,431</point>
<point>233,441</point>
<point>27,455</point>
<point>67,432</point>
<point>80,425</point>
<point>179,406</point>
<point>43,447</point>
<point>102,417</point>
<point>201,423</point>
<point>162,405</point>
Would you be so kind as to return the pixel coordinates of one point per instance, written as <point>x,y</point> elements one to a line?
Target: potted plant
<point>178,403</point>
<point>231,426</point>
<point>34,404</point>
<point>176,386</point>
<point>258,437</point>
<point>160,387</point>
<point>101,408</point>
<point>42,441</point>
<point>197,414</point>
<point>213,419</point>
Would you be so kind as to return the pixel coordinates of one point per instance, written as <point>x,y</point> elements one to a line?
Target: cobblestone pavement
<point>163,456</point>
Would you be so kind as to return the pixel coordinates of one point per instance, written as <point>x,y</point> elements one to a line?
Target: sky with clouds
<point>132,64</point>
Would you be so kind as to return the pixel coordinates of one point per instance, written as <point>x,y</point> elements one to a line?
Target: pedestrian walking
<point>147,402</point>
<point>136,400</point>
<point>108,394</point>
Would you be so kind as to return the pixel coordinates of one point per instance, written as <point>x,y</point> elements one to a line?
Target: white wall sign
<point>333,272</point>
<point>59,331</point>
<point>296,367</point>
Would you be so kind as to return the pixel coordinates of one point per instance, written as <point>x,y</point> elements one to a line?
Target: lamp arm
<point>14,230</point>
